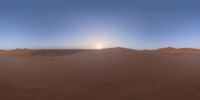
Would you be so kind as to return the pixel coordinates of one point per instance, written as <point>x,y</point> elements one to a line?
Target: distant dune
<point>108,74</point>
<point>181,51</point>
<point>32,52</point>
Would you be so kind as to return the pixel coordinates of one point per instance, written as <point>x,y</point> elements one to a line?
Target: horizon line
<point>97,49</point>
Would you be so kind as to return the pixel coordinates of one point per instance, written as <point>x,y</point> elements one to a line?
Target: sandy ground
<point>110,74</point>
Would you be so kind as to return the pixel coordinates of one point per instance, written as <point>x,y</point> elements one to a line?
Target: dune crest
<point>178,51</point>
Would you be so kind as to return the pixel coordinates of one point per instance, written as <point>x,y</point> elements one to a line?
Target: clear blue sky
<point>138,24</point>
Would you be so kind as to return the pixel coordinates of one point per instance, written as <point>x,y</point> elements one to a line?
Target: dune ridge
<point>35,52</point>
<point>56,52</point>
<point>178,51</point>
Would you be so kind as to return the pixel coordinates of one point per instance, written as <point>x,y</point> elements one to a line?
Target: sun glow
<point>99,45</point>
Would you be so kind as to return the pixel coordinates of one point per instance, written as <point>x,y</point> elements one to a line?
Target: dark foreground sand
<point>110,74</point>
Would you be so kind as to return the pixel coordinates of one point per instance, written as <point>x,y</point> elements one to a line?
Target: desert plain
<point>107,74</point>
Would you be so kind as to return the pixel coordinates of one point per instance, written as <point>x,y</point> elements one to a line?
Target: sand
<point>109,74</point>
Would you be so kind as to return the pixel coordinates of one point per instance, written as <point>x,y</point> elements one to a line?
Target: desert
<point>107,74</point>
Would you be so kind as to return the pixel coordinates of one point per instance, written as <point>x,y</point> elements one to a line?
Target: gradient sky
<point>137,24</point>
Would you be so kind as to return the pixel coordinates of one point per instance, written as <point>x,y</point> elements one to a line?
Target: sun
<point>99,45</point>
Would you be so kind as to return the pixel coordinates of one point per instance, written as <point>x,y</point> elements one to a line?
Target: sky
<point>137,24</point>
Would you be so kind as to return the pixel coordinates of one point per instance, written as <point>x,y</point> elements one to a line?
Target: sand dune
<point>176,52</point>
<point>110,74</point>
<point>32,52</point>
